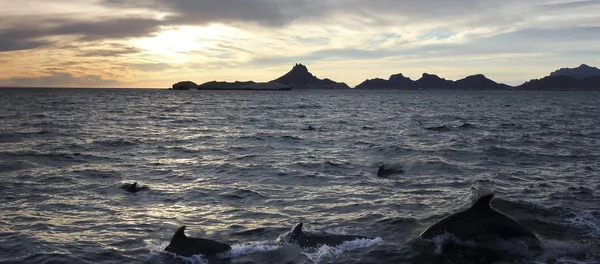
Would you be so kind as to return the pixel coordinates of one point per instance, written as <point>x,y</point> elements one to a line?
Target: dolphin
<point>442,128</point>
<point>132,187</point>
<point>188,246</point>
<point>384,172</point>
<point>481,223</point>
<point>308,240</point>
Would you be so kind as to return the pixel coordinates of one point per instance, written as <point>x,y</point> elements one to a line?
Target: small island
<point>297,78</point>
<point>185,85</point>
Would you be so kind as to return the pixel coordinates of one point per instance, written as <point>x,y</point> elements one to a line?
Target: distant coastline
<point>582,78</point>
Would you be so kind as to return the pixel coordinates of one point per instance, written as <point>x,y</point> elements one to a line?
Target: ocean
<point>242,167</point>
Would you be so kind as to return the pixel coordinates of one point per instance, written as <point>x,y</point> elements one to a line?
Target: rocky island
<point>185,85</point>
<point>432,81</point>
<point>297,78</point>
<point>583,77</point>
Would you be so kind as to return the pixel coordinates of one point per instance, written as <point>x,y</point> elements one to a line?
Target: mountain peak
<point>430,76</point>
<point>300,77</point>
<point>299,68</point>
<point>579,73</point>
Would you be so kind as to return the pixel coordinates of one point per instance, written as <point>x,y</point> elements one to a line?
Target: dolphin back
<point>480,221</point>
<point>187,246</point>
<point>313,240</point>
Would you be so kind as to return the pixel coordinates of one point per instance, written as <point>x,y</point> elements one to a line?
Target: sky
<point>155,43</point>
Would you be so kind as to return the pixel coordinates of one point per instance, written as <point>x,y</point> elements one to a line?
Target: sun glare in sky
<point>175,42</point>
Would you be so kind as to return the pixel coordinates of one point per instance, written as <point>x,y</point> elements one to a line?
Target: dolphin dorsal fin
<point>297,231</point>
<point>483,203</point>
<point>134,185</point>
<point>179,233</point>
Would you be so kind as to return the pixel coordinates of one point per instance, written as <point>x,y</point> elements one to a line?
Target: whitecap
<point>325,252</point>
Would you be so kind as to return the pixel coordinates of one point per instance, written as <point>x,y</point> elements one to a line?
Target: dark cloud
<point>61,79</point>
<point>31,35</point>
<point>264,12</point>
<point>279,13</point>
<point>8,44</point>
<point>354,14</point>
<point>109,29</point>
<point>15,39</point>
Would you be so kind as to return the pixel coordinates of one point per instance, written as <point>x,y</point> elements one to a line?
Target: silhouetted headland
<point>582,78</point>
<point>579,73</point>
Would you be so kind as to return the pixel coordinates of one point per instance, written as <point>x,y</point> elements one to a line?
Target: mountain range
<point>583,77</point>
<point>432,81</point>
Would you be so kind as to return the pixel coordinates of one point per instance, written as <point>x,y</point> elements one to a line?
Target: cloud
<point>109,29</point>
<point>60,79</point>
<point>13,44</point>
<point>135,39</point>
<point>11,40</point>
<point>355,13</point>
<point>152,67</point>
<point>112,50</point>
<point>568,5</point>
<point>31,35</point>
<point>264,12</point>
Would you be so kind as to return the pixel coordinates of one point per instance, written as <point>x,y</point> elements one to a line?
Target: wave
<point>449,248</point>
<point>116,143</point>
<point>237,251</point>
<point>54,156</point>
<point>530,156</point>
<point>327,253</point>
<point>14,137</point>
<point>438,165</point>
<point>294,138</point>
<point>48,258</point>
<point>244,194</point>
<point>586,220</point>
<point>8,166</point>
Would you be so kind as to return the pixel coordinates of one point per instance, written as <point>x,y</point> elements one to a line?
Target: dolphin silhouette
<point>481,223</point>
<point>384,171</point>
<point>442,128</point>
<point>188,246</point>
<point>132,187</point>
<point>308,240</point>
